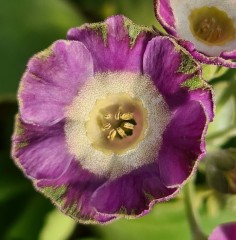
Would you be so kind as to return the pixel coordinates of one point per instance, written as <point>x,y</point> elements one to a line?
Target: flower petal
<point>205,97</point>
<point>224,232</point>
<point>116,44</point>
<point>72,193</point>
<point>165,15</point>
<point>170,74</point>
<point>163,62</point>
<point>183,143</point>
<point>222,60</point>
<point>169,12</point>
<point>40,151</point>
<point>52,79</point>
<point>132,194</point>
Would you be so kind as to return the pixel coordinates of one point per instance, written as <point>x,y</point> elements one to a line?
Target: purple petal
<point>117,44</point>
<point>183,143</point>
<point>228,55</point>
<point>224,232</point>
<point>40,151</point>
<point>52,80</point>
<point>76,187</point>
<point>165,15</point>
<point>165,72</point>
<point>222,60</point>
<point>132,194</point>
<point>204,96</point>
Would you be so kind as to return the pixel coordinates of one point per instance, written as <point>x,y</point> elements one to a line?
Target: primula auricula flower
<point>207,27</point>
<point>224,232</point>
<point>111,120</point>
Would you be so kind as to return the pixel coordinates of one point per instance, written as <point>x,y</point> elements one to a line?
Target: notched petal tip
<point>117,26</point>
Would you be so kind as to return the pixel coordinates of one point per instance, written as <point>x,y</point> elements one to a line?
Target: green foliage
<point>224,126</point>
<point>210,72</point>
<point>26,28</point>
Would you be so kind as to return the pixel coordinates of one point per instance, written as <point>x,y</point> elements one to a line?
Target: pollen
<point>106,126</point>
<point>128,125</point>
<point>117,123</point>
<point>127,116</point>
<point>122,123</point>
<point>121,132</point>
<point>107,116</point>
<point>211,26</point>
<point>112,134</point>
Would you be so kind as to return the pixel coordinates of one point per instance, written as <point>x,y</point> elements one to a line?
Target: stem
<point>192,215</point>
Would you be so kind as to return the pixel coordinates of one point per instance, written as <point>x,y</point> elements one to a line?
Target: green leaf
<point>28,225</point>
<point>57,226</point>
<point>224,125</point>
<point>142,13</point>
<point>165,221</point>
<point>209,222</point>
<point>210,72</point>
<point>27,29</point>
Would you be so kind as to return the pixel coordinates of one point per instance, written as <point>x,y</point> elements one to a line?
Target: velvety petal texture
<point>224,232</point>
<point>43,86</point>
<point>208,21</point>
<point>115,45</point>
<point>41,151</point>
<point>164,111</point>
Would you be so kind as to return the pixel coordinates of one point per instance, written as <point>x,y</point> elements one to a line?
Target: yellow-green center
<point>211,26</point>
<point>116,123</point>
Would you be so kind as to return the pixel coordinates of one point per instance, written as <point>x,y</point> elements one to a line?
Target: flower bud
<point>221,170</point>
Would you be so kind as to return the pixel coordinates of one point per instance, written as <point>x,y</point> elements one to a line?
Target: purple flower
<point>224,232</point>
<point>208,28</point>
<point>111,121</point>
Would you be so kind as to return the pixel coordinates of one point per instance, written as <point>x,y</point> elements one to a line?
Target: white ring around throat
<point>181,13</point>
<point>145,152</point>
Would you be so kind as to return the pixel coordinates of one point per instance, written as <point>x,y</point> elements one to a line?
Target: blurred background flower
<point>206,28</point>
<point>224,232</point>
<point>30,26</point>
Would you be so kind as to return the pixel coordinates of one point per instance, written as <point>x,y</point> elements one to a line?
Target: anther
<point>108,116</point>
<point>210,29</point>
<point>117,115</point>
<point>121,132</point>
<point>127,116</point>
<point>112,134</point>
<point>106,126</point>
<point>128,125</point>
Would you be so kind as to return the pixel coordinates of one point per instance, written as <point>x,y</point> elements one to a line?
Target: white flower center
<point>210,25</point>
<point>115,123</point>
